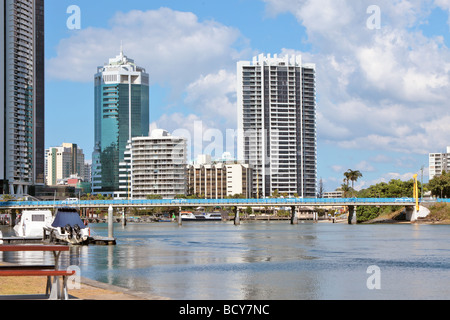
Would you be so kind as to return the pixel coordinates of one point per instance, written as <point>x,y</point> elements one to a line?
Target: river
<point>268,260</point>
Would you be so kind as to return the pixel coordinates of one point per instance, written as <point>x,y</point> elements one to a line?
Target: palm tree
<point>353,176</point>
<point>347,177</point>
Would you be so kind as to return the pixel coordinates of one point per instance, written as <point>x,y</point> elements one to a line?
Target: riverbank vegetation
<point>440,212</point>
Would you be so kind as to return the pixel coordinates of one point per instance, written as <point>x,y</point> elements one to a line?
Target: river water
<point>268,260</point>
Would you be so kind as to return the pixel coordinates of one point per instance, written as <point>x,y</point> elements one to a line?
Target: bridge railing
<point>218,202</point>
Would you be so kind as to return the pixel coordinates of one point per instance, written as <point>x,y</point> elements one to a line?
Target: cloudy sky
<point>383,72</point>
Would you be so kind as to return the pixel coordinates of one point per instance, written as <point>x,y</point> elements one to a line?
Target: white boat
<point>189,216</point>
<point>31,224</point>
<point>67,227</point>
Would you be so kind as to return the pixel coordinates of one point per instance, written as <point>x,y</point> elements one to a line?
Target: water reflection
<point>266,260</point>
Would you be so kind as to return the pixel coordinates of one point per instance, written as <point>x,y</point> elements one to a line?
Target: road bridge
<point>292,203</point>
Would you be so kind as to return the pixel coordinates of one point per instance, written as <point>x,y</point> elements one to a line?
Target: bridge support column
<point>294,218</point>
<point>12,223</point>
<point>180,221</point>
<point>410,213</point>
<point>352,215</point>
<point>110,222</point>
<point>237,220</point>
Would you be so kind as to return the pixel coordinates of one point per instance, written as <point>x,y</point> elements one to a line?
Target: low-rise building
<point>219,179</point>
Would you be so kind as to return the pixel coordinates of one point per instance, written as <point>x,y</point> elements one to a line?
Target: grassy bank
<point>440,212</point>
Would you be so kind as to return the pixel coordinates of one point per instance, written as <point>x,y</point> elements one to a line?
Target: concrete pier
<point>110,222</point>
<point>237,220</point>
<point>352,215</point>
<point>294,218</point>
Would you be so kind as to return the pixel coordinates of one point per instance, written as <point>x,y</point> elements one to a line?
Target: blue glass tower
<point>121,113</point>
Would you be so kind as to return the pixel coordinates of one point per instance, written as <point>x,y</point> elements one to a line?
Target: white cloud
<point>214,97</point>
<point>175,47</point>
<point>387,89</point>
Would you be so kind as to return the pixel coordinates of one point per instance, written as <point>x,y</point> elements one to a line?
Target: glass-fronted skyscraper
<point>277,124</point>
<point>121,113</point>
<point>22,87</point>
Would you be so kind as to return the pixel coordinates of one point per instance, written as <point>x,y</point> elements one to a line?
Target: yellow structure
<point>416,192</point>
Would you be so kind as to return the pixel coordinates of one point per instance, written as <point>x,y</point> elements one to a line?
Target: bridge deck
<point>288,202</point>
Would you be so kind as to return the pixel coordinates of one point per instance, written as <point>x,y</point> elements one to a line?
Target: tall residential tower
<point>22,108</point>
<point>121,113</point>
<point>277,124</point>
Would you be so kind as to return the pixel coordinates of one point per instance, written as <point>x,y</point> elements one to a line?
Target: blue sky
<point>382,93</point>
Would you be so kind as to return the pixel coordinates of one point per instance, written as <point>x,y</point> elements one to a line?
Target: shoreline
<point>18,288</point>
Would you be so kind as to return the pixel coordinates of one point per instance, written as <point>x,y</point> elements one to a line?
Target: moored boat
<point>67,227</point>
<point>31,223</point>
<point>204,216</point>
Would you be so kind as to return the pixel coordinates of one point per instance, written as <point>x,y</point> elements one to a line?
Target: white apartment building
<point>63,162</point>
<point>277,124</point>
<point>154,165</point>
<point>22,90</point>
<point>439,162</point>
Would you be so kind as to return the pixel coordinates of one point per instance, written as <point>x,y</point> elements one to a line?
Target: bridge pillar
<point>237,220</point>
<point>410,213</point>
<point>180,221</point>
<point>352,215</point>
<point>294,218</point>
<point>12,222</point>
<point>110,222</point>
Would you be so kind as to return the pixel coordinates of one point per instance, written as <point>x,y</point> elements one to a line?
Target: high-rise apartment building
<point>64,162</point>
<point>439,162</point>
<point>154,165</point>
<point>121,113</point>
<point>21,95</point>
<point>277,124</point>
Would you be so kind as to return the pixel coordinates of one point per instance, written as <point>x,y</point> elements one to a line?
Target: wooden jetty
<point>96,240</point>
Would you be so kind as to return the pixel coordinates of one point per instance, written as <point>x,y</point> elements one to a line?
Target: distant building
<point>277,124</point>
<point>154,166</point>
<point>87,172</point>
<point>333,194</point>
<point>63,162</point>
<point>121,113</point>
<point>219,179</point>
<point>439,162</point>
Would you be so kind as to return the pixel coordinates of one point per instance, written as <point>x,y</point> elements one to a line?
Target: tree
<point>153,197</point>
<point>440,185</point>
<point>320,189</point>
<point>353,176</point>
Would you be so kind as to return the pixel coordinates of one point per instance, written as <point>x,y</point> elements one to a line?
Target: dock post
<point>180,221</point>
<point>237,220</point>
<point>294,218</point>
<point>110,222</point>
